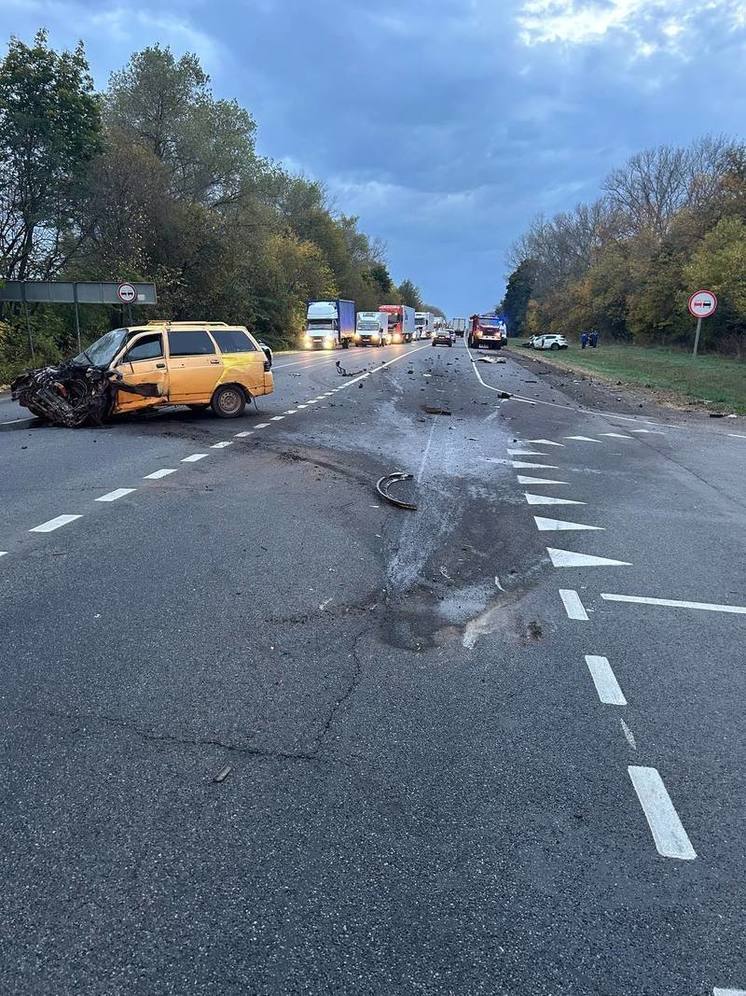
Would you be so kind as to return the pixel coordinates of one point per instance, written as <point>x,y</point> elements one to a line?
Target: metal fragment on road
<point>223,774</point>
<point>383,484</point>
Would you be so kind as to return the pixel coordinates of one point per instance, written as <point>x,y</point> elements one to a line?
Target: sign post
<point>701,305</point>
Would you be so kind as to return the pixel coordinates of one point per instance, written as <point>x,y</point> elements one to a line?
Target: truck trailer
<point>329,324</point>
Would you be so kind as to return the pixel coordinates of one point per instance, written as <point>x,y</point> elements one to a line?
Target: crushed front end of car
<point>74,394</point>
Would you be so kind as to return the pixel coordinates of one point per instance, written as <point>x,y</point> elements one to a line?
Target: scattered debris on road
<point>386,481</point>
<point>491,359</point>
<point>433,410</point>
<point>223,774</point>
<point>72,394</point>
<point>347,373</point>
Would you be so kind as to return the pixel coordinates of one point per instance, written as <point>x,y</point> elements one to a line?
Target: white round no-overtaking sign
<point>703,304</point>
<point>126,293</point>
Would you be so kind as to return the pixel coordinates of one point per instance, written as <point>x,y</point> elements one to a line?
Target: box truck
<point>329,324</point>
<point>402,327</point>
<point>372,328</point>
<point>425,323</point>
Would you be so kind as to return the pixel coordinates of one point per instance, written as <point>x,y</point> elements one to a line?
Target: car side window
<point>190,344</point>
<point>150,347</point>
<point>234,341</point>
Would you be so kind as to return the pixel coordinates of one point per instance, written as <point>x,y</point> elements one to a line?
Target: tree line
<point>671,221</point>
<point>156,179</point>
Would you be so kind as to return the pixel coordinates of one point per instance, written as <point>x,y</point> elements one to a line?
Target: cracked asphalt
<point>426,795</point>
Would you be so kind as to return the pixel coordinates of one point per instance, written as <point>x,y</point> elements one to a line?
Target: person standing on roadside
<point>594,338</point>
<point>583,340</point>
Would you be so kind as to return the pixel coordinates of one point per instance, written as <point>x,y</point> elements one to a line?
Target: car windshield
<point>101,352</point>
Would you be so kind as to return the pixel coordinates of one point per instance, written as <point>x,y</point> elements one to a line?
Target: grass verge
<point>714,381</point>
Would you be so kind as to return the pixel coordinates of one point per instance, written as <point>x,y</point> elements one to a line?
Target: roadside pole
<point>701,305</point>
<point>696,336</point>
<point>77,316</point>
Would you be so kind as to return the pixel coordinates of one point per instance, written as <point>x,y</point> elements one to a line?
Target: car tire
<point>228,401</point>
<point>555,345</point>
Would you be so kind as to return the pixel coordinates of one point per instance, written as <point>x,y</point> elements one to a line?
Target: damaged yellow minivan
<point>199,364</point>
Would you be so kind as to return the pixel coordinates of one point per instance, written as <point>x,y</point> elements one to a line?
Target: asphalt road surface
<point>265,733</point>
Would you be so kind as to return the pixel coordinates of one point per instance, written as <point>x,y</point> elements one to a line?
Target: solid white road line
<point>52,524</point>
<point>605,680</point>
<point>553,525</point>
<point>729,992</point>
<point>537,480</point>
<point>573,606</point>
<point>649,432</point>
<point>615,435</point>
<point>525,453</point>
<point>549,500</point>
<point>114,495</point>
<point>675,603</point>
<point>158,474</point>
<point>670,837</point>
<point>261,425</point>
<point>194,458</point>
<point>277,418</point>
<point>568,558</point>
<point>546,442</point>
<point>519,465</point>
<point>222,445</point>
<point>243,435</point>
<point>583,439</point>
<point>628,734</point>
<point>735,435</point>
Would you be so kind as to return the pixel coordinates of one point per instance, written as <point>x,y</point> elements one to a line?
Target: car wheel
<point>228,401</point>
<point>554,345</point>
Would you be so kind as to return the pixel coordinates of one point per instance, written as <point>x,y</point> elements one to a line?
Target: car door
<point>143,363</point>
<point>243,363</point>
<point>194,366</point>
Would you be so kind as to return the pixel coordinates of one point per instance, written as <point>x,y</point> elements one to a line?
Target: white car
<point>549,342</point>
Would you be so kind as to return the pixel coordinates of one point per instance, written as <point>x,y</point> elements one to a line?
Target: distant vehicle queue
<point>335,324</point>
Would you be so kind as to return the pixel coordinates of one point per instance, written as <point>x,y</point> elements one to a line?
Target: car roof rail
<point>189,324</point>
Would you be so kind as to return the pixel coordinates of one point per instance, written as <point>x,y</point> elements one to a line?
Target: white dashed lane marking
<point>537,480</point>
<point>553,525</point>
<point>261,425</point>
<point>569,558</point>
<point>222,445</point>
<point>734,435</point>
<point>3,553</point>
<point>605,681</point>
<point>675,603</point>
<point>584,439</point>
<point>549,500</point>
<point>277,418</point>
<point>194,458</point>
<point>243,435</point>
<point>546,442</point>
<point>115,495</point>
<point>291,411</point>
<point>729,992</point>
<point>615,435</point>
<point>573,606</point>
<point>158,474</point>
<point>649,432</point>
<point>524,453</point>
<point>668,831</point>
<point>56,523</point>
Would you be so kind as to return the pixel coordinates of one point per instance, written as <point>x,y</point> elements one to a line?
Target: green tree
<point>517,296</point>
<point>719,264</point>
<point>409,294</point>
<point>50,132</point>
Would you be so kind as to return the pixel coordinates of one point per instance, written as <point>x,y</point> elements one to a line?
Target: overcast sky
<point>444,124</point>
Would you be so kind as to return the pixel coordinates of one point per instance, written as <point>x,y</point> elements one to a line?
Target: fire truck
<point>487,330</point>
